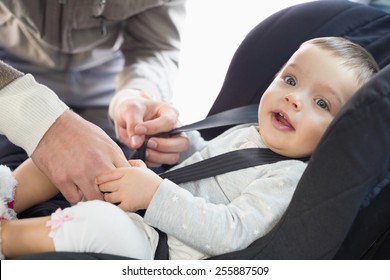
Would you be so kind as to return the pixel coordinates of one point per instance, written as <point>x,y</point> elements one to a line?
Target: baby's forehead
<point>323,51</point>
<point>308,53</point>
<point>310,46</point>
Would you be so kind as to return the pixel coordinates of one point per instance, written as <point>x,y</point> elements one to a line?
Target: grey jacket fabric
<point>78,47</point>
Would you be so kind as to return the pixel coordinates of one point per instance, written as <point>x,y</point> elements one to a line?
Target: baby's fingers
<point>111,175</point>
<point>112,197</point>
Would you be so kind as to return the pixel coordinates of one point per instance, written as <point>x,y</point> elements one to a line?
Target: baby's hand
<point>131,188</point>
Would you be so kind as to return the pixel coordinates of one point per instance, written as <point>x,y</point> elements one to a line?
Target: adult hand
<point>73,152</point>
<point>137,118</point>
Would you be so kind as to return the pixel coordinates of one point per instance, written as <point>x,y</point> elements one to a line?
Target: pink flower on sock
<point>57,219</point>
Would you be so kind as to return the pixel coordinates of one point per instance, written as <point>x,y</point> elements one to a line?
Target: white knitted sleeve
<point>27,110</point>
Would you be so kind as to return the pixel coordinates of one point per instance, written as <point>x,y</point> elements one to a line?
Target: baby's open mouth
<point>283,120</point>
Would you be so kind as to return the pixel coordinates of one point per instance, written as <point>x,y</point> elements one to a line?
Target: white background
<point>212,33</point>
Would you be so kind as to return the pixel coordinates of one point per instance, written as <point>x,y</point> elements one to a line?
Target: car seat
<point>340,209</point>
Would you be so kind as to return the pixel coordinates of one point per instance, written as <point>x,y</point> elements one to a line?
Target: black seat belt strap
<point>235,116</point>
<point>239,115</point>
<point>223,163</point>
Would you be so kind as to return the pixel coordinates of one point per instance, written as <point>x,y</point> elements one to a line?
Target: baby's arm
<point>33,186</point>
<point>131,188</point>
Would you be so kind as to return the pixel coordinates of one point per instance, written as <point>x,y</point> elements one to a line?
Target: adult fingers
<point>164,120</point>
<point>110,175</point>
<point>172,144</point>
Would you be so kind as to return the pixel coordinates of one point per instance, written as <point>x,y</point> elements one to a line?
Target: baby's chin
<point>288,153</point>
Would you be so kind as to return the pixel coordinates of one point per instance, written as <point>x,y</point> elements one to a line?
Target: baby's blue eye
<point>322,103</point>
<point>290,81</point>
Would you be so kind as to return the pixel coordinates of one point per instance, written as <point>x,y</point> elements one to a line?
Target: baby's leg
<point>26,236</point>
<point>33,186</point>
<point>93,226</point>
